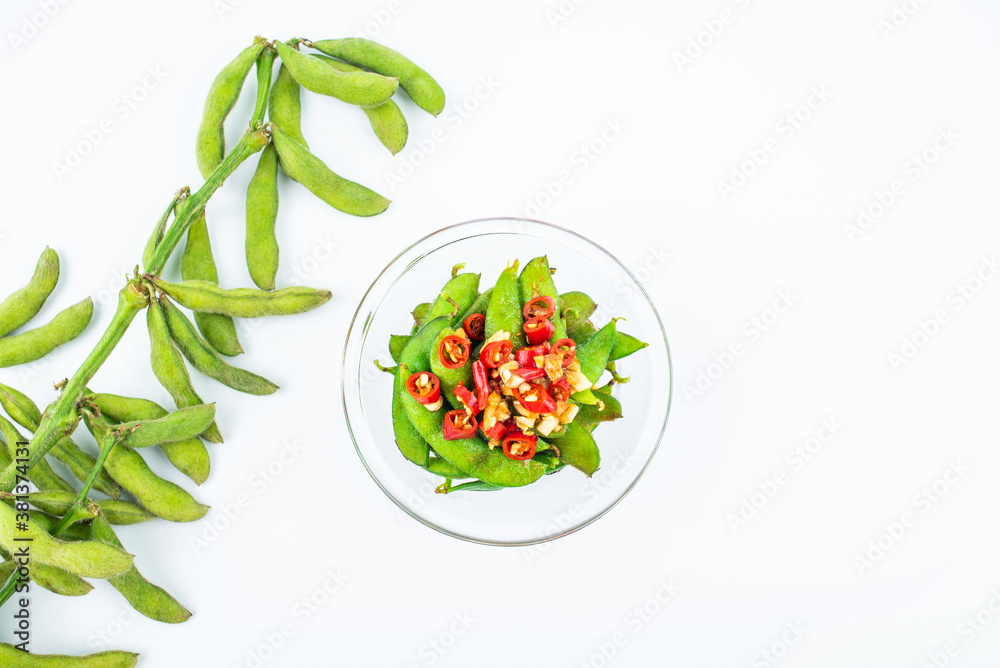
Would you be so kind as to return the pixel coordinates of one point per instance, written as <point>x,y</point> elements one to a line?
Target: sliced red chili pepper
<point>453,352</point>
<point>560,390</point>
<point>468,398</point>
<point>539,307</point>
<point>482,383</point>
<point>496,432</point>
<point>566,348</point>
<point>475,326</point>
<point>538,330</point>
<point>536,398</point>
<point>520,446</point>
<point>424,387</point>
<point>496,353</point>
<point>459,424</point>
<point>525,357</point>
<point>526,374</point>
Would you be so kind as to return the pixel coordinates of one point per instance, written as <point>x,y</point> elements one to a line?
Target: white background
<point>653,190</point>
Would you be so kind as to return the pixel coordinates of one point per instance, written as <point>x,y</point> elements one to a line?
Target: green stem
<point>8,588</point>
<point>110,440</point>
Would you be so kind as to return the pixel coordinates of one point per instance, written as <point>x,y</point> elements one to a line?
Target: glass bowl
<point>557,504</point>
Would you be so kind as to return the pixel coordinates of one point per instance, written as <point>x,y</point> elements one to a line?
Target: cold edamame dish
<point>497,388</point>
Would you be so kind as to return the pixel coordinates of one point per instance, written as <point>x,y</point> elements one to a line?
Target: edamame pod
<point>578,449</point>
<point>262,214</point>
<point>536,281</point>
<point>386,119</point>
<point>418,84</point>
<point>197,263</point>
<point>311,172</point>
<point>23,305</point>
<point>362,88</point>
<point>478,306</point>
<point>455,297</point>
<point>285,108</point>
<point>450,378</point>
<point>415,358</point>
<point>625,345</point>
<point>397,342</point>
<point>160,497</point>
<point>204,358</point>
<point>39,342</point>
<point>222,96</point>
<point>576,307</point>
<point>504,310</point>
<point>161,227</point>
<point>85,558</point>
<point>169,368</point>
<point>473,486</point>
<point>49,523</point>
<point>41,474</point>
<point>609,408</point>
<point>58,503</point>
<point>205,297</point>
<point>148,599</point>
<point>11,656</point>
<point>582,333</point>
<point>58,581</point>
<point>190,457</point>
<point>444,468</point>
<point>593,354</point>
<point>419,314</point>
<point>180,425</point>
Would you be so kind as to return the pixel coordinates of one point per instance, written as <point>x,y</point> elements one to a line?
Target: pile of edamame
<point>69,524</point>
<point>498,388</point>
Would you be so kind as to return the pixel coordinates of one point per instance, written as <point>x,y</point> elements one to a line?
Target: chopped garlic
<point>499,335</point>
<point>435,406</point>
<point>524,422</point>
<point>546,425</point>
<point>568,414</point>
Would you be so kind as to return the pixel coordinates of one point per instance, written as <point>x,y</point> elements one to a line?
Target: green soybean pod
<point>609,408</point>
<point>450,378</point>
<point>180,425</point>
<point>504,310</point>
<point>262,213</point>
<point>365,89</point>
<point>48,522</point>
<point>478,306</point>
<point>160,497</point>
<point>41,474</point>
<point>593,354</point>
<point>58,503</point>
<point>161,227</point>
<point>23,305</point>
<point>419,314</point>
<point>474,486</point>
<point>414,357</point>
<point>205,297</point>
<point>6,570</point>
<point>386,119</point>
<point>147,599</point>
<point>39,342</point>
<point>536,281</point>
<point>58,581</point>
<point>197,263</point>
<point>11,656</point>
<point>284,109</point>
<point>85,558</point>
<point>442,467</point>
<point>625,345</point>
<point>578,449</point>
<point>576,307</point>
<point>190,457</point>
<point>311,172</point>
<point>397,342</point>
<point>169,368</point>
<point>582,333</point>
<point>204,358</point>
<point>455,297</point>
<point>222,95</point>
<point>418,84</point>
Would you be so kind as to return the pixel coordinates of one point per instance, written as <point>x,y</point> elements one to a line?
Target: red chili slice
<point>459,424</point>
<point>529,374</point>
<point>560,390</point>
<point>525,357</point>
<point>424,387</point>
<point>536,398</point>
<point>496,432</point>
<point>538,330</point>
<point>539,307</point>
<point>566,348</point>
<point>467,398</point>
<point>482,384</point>
<point>496,353</point>
<point>520,446</point>
<point>475,326</point>
<point>453,352</point>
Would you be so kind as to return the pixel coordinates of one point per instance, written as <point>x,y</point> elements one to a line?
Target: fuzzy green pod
<point>87,558</point>
<point>148,599</point>
<point>397,342</point>
<point>582,333</point>
<point>156,236</point>
<point>41,474</point>
<point>593,354</point>
<point>262,214</point>
<point>448,377</point>
<point>169,368</point>
<point>190,457</point>
<point>160,497</point>
<point>578,449</point>
<point>478,306</point>
<point>625,345</point>
<point>204,358</point>
<point>576,307</point>
<point>457,295</point>
<point>58,503</point>
<point>181,425</point>
<point>504,310</point>
<point>418,84</point>
<point>311,172</point>
<point>23,305</point>
<point>205,297</point>
<point>58,581</point>
<point>607,409</point>
<point>197,263</point>
<point>11,656</point>
<point>365,89</point>
<point>39,342</point>
<point>284,109</point>
<point>536,281</point>
<point>210,148</point>
<point>386,119</point>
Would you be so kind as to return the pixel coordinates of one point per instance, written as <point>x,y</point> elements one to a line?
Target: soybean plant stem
<point>110,440</point>
<point>8,588</point>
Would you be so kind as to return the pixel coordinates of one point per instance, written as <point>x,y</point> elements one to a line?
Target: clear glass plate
<point>560,503</point>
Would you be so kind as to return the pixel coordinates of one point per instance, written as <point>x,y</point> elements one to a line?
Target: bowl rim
<point>531,541</point>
